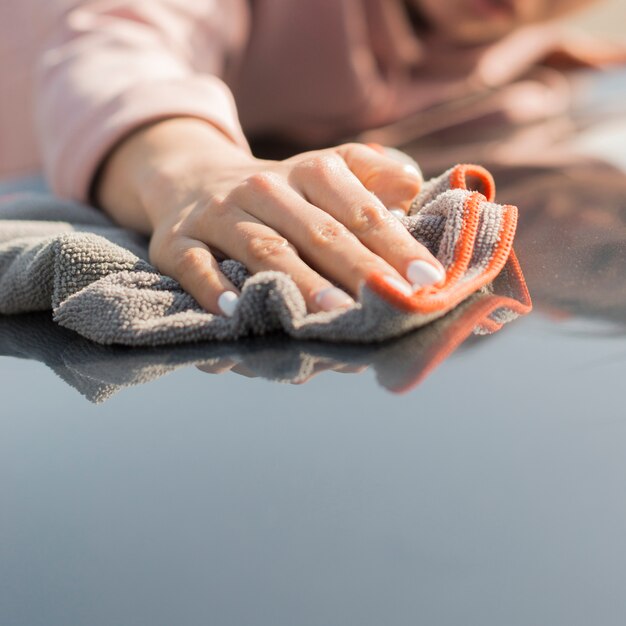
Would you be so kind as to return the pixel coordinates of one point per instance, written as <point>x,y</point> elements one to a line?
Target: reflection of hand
<point>320,216</point>
<point>224,365</point>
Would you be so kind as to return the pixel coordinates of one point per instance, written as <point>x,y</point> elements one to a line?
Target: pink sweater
<point>76,76</point>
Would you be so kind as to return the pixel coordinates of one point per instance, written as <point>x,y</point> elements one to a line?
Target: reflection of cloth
<point>96,278</point>
<point>98,372</point>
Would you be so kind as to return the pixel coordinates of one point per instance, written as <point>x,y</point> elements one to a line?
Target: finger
<point>396,183</point>
<point>244,370</point>
<point>195,268</point>
<point>348,368</point>
<point>260,247</point>
<point>221,366</point>
<point>328,183</point>
<point>319,367</point>
<point>321,241</point>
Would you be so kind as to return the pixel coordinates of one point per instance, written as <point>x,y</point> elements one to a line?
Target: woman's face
<point>478,21</point>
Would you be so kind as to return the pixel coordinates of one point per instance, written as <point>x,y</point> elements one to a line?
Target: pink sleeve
<point>113,65</point>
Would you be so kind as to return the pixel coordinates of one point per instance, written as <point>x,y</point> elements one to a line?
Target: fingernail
<point>332,298</point>
<point>412,171</point>
<point>398,285</point>
<point>397,213</point>
<point>228,302</point>
<point>421,273</point>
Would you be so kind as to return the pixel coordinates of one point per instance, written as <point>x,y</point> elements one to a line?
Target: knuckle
<point>323,165</point>
<point>327,233</point>
<point>353,148</point>
<point>162,248</point>
<point>218,206</point>
<point>368,218</point>
<point>261,183</point>
<point>265,249</point>
<point>330,162</point>
<point>189,262</point>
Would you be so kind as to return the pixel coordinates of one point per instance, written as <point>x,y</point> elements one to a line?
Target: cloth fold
<point>97,280</point>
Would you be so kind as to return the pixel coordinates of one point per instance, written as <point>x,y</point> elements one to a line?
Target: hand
<point>321,217</point>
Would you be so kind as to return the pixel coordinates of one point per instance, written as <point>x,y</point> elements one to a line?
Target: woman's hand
<point>322,217</point>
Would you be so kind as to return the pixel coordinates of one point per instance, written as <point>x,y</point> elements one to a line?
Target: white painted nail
<point>332,298</point>
<point>398,285</point>
<point>397,213</point>
<point>228,302</point>
<point>421,273</point>
<point>413,171</point>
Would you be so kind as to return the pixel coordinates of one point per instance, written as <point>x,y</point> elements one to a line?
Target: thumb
<point>390,174</point>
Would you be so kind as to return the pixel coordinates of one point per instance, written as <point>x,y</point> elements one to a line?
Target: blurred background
<point>608,17</point>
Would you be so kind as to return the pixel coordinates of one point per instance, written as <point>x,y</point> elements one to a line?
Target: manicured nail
<point>398,285</point>
<point>228,302</point>
<point>332,298</point>
<point>421,273</point>
<point>397,213</point>
<point>412,171</point>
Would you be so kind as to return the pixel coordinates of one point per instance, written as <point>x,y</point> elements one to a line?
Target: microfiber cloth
<point>97,280</point>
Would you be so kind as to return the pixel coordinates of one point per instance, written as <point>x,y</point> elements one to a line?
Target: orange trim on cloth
<point>464,175</point>
<point>454,289</point>
<point>477,316</point>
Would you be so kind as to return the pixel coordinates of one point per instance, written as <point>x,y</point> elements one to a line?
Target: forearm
<point>111,66</point>
<point>163,167</point>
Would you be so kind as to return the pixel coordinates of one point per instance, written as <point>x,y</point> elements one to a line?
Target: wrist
<point>158,169</point>
<point>189,160</point>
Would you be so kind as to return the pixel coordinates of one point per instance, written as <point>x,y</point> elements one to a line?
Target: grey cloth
<point>97,280</point>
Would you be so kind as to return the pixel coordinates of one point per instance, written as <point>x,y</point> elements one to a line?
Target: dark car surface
<point>147,488</point>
